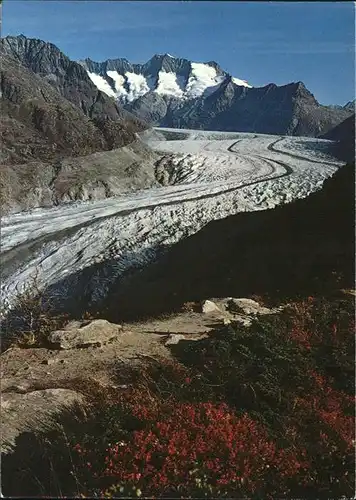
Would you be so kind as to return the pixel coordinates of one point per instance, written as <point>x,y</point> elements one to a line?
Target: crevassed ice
<point>202,76</point>
<point>101,84</point>
<point>209,166</point>
<point>168,84</point>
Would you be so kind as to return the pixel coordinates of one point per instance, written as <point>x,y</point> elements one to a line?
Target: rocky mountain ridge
<point>66,76</point>
<point>174,92</point>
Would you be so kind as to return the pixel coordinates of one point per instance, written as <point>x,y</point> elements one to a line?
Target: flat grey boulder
<point>95,333</point>
<point>247,306</point>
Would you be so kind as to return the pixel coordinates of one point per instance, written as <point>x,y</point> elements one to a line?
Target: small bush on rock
<point>31,319</point>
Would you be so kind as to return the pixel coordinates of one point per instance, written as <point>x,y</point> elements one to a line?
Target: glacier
<point>85,248</point>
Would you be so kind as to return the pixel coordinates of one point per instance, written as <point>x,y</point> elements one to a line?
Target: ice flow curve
<point>219,175</point>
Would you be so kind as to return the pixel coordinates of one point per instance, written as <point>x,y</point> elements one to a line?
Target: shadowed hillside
<point>300,248</point>
<point>344,135</point>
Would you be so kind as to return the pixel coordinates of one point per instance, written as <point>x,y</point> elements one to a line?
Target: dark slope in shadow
<point>344,137</point>
<point>300,248</point>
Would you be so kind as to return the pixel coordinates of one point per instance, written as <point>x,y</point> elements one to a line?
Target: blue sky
<point>261,42</point>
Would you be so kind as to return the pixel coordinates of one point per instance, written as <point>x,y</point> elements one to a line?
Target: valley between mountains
<point>77,251</point>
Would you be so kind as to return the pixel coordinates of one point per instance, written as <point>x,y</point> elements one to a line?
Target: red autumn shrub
<point>201,448</point>
<point>331,408</point>
<point>325,330</point>
<point>286,429</point>
<point>317,321</point>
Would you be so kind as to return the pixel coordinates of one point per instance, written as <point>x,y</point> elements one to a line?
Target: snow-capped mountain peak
<point>163,74</point>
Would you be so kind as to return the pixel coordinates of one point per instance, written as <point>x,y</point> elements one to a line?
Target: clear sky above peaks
<point>261,42</point>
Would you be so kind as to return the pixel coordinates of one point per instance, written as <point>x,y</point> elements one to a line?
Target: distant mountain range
<point>173,92</point>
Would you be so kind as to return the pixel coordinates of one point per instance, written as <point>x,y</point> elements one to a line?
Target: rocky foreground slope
<point>53,119</point>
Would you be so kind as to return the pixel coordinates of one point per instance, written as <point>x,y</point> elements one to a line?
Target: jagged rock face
<point>173,92</point>
<point>58,132</point>
<point>289,110</point>
<point>181,68</point>
<point>37,122</point>
<point>73,83</point>
<point>63,100</point>
<point>151,107</point>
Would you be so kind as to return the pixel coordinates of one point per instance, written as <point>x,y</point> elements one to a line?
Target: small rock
<point>209,306</point>
<point>96,332</point>
<point>174,339</point>
<point>50,361</point>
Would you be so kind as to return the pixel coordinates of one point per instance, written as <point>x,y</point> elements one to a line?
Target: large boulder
<point>95,333</point>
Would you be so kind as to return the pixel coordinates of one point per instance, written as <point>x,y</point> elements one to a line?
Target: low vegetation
<point>259,412</point>
<point>31,319</point>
